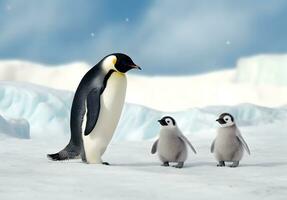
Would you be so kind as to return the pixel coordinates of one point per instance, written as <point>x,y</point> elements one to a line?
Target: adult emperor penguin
<point>171,145</point>
<point>229,144</point>
<point>96,109</point>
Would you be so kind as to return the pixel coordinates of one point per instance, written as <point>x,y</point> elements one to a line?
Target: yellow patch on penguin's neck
<point>117,73</point>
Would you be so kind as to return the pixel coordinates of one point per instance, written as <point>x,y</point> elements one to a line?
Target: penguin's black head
<point>225,119</point>
<point>124,63</point>
<point>167,121</point>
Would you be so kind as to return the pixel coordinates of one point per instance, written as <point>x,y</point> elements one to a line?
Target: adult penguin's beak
<point>137,67</point>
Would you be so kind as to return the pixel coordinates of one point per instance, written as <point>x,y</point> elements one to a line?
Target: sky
<point>163,37</point>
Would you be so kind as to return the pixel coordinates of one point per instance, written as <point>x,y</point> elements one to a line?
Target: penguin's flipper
<point>212,147</point>
<point>188,143</point>
<point>242,141</point>
<point>154,147</point>
<point>93,110</point>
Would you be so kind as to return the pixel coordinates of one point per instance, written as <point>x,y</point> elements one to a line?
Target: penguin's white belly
<point>112,101</point>
<point>171,149</point>
<point>227,147</point>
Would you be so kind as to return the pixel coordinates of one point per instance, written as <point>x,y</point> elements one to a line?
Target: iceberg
<point>263,70</point>
<point>48,113</point>
<point>252,80</point>
<point>19,128</point>
<point>46,110</point>
<point>140,123</point>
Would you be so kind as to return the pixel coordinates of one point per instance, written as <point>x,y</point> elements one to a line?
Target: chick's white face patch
<point>228,121</point>
<point>169,122</point>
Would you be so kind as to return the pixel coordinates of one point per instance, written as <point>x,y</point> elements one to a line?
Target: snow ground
<point>26,173</point>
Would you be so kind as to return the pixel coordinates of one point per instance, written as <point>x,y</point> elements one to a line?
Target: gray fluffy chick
<point>229,144</point>
<point>171,145</point>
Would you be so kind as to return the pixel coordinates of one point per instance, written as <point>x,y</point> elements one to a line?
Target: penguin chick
<point>229,144</point>
<point>171,145</point>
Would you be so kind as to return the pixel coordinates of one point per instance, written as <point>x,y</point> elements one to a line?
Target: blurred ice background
<point>255,92</point>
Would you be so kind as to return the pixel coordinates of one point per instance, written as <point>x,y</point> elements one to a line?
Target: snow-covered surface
<point>14,127</point>
<point>64,77</point>
<point>25,172</point>
<point>217,88</point>
<point>259,80</point>
<point>263,70</point>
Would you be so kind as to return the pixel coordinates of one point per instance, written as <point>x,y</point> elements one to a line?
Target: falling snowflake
<point>127,19</point>
<point>227,42</point>
<point>92,34</point>
<point>8,7</point>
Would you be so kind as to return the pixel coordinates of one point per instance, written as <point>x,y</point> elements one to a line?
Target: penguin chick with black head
<point>229,144</point>
<point>96,109</point>
<point>171,145</point>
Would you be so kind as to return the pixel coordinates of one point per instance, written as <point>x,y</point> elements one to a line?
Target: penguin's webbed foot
<point>179,165</point>
<point>105,163</point>
<point>54,157</point>
<point>234,164</point>
<point>221,164</point>
<point>165,164</point>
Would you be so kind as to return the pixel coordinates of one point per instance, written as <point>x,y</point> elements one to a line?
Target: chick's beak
<point>220,121</point>
<point>160,122</point>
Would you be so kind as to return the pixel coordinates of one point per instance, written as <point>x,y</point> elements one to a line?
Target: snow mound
<point>19,128</point>
<point>48,112</point>
<point>263,70</point>
<point>64,77</point>
<point>140,123</point>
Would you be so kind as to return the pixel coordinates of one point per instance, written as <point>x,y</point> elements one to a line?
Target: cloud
<point>164,37</point>
<point>174,37</point>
